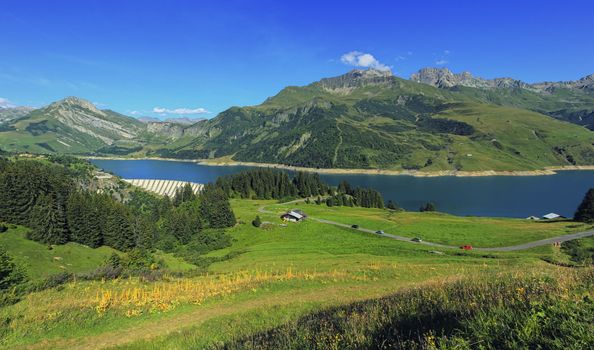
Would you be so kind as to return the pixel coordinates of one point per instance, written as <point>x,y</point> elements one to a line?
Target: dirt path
<point>153,329</point>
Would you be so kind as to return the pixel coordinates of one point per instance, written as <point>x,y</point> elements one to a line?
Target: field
<point>272,275</point>
<point>440,227</point>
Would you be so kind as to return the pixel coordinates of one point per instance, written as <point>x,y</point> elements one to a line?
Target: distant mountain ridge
<point>180,120</point>
<point>8,114</point>
<point>367,119</point>
<point>372,119</point>
<point>572,101</point>
<point>444,78</point>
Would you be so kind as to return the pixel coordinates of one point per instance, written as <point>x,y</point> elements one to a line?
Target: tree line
<point>346,195</point>
<point>271,184</point>
<point>276,184</point>
<point>50,199</point>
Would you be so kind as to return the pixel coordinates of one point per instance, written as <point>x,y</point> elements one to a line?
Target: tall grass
<point>507,312</point>
<point>133,297</point>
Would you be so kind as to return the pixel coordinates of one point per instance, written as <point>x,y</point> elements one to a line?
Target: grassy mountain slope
<point>574,106</point>
<point>369,119</point>
<point>71,125</point>
<point>572,101</point>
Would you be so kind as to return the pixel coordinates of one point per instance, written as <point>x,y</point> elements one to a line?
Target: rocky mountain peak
<point>358,78</point>
<point>444,78</point>
<point>75,102</point>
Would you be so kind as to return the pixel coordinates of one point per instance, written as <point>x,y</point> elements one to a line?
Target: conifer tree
<point>48,221</point>
<point>392,205</point>
<point>585,211</point>
<point>10,273</point>
<point>215,208</point>
<point>427,207</point>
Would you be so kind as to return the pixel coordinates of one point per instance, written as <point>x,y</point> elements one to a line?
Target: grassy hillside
<point>40,261</point>
<point>360,120</point>
<point>71,125</point>
<point>273,275</point>
<point>571,105</point>
<point>363,119</point>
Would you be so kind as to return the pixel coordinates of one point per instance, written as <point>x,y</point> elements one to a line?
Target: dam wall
<point>162,187</point>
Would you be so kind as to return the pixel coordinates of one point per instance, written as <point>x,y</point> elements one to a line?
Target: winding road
<point>523,246</point>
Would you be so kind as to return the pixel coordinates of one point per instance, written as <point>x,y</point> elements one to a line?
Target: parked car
<point>466,247</point>
<point>417,239</point>
<point>355,226</point>
<point>380,232</point>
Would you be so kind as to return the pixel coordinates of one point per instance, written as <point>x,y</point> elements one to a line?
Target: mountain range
<point>437,120</point>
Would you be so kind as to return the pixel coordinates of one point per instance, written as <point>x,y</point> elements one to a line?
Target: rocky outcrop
<point>444,78</point>
<point>13,113</point>
<point>172,130</point>
<point>83,116</point>
<point>585,84</point>
<point>357,78</point>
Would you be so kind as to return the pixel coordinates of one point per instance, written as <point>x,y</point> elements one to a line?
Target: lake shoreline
<point>552,170</point>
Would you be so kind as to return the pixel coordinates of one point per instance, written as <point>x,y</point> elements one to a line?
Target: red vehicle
<point>466,247</point>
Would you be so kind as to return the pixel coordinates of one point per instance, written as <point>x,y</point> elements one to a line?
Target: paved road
<point>523,246</point>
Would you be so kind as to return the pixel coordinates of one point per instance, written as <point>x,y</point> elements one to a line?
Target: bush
<point>427,207</point>
<point>3,228</point>
<point>10,274</point>
<point>257,222</point>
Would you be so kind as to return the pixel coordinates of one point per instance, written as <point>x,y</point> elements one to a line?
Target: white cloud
<point>442,59</point>
<point>361,59</point>
<point>181,111</point>
<point>5,103</point>
<point>135,112</point>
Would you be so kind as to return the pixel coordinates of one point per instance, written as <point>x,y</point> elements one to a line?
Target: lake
<point>505,196</point>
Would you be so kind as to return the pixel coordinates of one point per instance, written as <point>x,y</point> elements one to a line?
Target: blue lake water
<point>508,196</point>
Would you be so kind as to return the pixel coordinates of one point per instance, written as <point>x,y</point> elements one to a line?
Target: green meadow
<point>270,276</point>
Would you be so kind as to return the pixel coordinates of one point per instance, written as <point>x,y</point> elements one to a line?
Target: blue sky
<point>187,58</point>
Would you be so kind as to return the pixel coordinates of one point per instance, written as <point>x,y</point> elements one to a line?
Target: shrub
<point>3,228</point>
<point>427,207</point>
<point>257,222</point>
<point>10,274</point>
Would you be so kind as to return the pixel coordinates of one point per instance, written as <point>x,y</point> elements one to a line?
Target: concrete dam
<point>163,187</point>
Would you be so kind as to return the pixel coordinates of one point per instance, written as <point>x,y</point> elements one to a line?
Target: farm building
<point>533,218</point>
<point>552,216</point>
<point>294,216</point>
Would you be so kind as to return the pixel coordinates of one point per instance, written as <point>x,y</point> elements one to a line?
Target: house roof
<point>296,215</point>
<point>551,216</point>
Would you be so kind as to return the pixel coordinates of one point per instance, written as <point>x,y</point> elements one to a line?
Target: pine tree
<point>392,205</point>
<point>585,212</point>
<point>183,222</point>
<point>84,219</point>
<point>48,221</point>
<point>427,207</point>
<point>215,208</point>
<point>183,194</point>
<point>10,273</point>
<point>118,230</point>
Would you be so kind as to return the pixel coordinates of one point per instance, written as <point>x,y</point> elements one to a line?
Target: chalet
<point>552,216</point>
<point>533,218</point>
<point>294,216</point>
